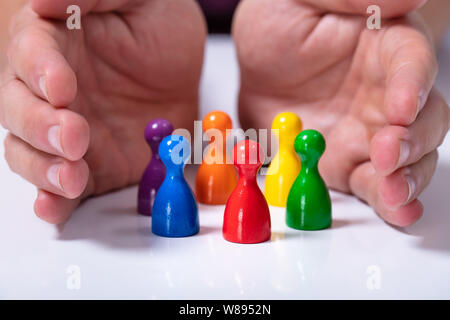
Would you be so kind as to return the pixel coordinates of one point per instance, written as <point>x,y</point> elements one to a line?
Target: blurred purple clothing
<point>219,14</point>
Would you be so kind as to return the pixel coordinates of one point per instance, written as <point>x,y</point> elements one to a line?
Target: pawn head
<point>288,125</point>
<point>156,130</point>
<point>248,155</point>
<point>218,120</point>
<point>174,151</point>
<point>309,145</point>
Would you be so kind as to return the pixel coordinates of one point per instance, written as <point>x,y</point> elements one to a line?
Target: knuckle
<point>15,43</point>
<point>13,24</point>
<point>28,125</point>
<point>24,41</point>
<point>24,38</point>
<point>31,123</point>
<point>18,20</point>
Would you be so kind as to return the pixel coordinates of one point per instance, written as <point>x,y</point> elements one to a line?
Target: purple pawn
<point>155,173</point>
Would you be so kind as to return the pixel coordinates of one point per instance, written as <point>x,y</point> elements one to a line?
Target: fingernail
<point>405,150</point>
<point>421,101</point>
<point>53,175</point>
<point>39,196</point>
<point>43,86</point>
<point>54,137</point>
<point>411,186</point>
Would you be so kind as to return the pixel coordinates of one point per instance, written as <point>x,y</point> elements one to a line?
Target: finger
<point>57,131</point>
<point>35,57</point>
<point>394,147</point>
<point>404,216</point>
<point>53,174</point>
<point>365,182</point>
<point>53,208</point>
<point>58,9</point>
<point>388,8</point>
<point>406,184</point>
<point>410,64</point>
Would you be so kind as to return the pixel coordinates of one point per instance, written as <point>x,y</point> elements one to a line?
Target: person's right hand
<point>370,92</point>
<point>76,101</point>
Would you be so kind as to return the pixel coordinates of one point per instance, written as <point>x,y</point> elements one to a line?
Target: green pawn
<point>308,204</point>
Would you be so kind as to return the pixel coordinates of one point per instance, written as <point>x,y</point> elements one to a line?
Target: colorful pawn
<point>285,167</point>
<point>247,216</point>
<point>175,212</point>
<point>216,178</point>
<point>309,205</point>
<point>155,172</point>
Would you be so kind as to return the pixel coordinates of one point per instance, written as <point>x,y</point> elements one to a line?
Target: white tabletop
<point>107,251</point>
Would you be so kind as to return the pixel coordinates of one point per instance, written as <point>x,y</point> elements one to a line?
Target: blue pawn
<point>175,212</point>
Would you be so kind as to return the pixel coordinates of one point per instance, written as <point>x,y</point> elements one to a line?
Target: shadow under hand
<point>342,223</point>
<point>434,227</point>
<point>111,220</point>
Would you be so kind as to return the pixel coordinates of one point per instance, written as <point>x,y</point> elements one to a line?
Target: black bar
<point>226,309</point>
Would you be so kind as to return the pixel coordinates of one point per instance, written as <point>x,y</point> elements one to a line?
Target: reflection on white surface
<point>119,257</point>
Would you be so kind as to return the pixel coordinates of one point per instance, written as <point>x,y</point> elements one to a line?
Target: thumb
<point>389,8</point>
<point>58,9</point>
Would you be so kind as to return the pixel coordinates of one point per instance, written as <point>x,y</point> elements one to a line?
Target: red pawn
<point>247,216</point>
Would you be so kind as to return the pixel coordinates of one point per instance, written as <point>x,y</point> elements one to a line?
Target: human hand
<point>76,102</point>
<point>370,92</point>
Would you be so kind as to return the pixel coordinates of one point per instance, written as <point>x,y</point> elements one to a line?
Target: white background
<point>118,257</point>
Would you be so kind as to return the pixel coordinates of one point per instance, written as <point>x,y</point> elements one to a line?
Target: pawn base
<point>167,234</point>
<point>145,207</point>
<point>306,227</point>
<point>247,240</point>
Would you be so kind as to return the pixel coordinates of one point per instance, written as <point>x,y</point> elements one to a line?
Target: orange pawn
<point>216,179</point>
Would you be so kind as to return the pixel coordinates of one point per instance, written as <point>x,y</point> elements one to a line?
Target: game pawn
<point>155,172</point>
<point>285,166</point>
<point>216,178</point>
<point>247,216</point>
<point>175,212</point>
<point>309,205</point>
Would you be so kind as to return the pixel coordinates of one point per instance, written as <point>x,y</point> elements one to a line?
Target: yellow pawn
<point>285,167</point>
